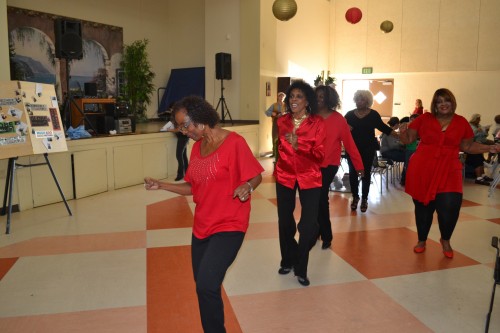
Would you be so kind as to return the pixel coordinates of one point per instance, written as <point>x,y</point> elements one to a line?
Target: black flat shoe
<point>354,203</point>
<point>326,245</point>
<point>364,205</point>
<point>284,270</point>
<point>178,178</point>
<point>303,281</point>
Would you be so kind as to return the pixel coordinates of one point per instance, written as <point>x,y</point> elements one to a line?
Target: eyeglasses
<point>184,126</point>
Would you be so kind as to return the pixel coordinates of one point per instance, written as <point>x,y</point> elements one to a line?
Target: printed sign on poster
<point>30,121</point>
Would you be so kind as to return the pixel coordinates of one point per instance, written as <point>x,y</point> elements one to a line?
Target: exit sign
<point>367,70</point>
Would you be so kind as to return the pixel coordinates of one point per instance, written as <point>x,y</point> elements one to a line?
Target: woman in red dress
<point>434,176</point>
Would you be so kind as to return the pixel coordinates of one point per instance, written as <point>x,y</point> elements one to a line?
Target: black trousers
<point>181,154</point>
<point>367,156</point>
<point>325,225</point>
<point>211,257</point>
<point>447,205</point>
<point>295,254</point>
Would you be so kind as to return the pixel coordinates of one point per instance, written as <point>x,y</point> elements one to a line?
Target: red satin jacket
<point>301,165</point>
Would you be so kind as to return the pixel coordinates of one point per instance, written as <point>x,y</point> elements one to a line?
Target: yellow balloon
<point>284,10</point>
<point>386,26</point>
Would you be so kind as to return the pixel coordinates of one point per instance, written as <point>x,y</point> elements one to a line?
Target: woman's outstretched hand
<point>151,184</point>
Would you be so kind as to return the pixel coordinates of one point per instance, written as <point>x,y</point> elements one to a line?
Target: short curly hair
<point>364,94</point>
<point>308,91</point>
<point>198,110</point>
<point>332,98</point>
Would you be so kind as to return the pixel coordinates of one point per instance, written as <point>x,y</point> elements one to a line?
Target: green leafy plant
<point>318,80</point>
<point>138,87</point>
<point>329,80</point>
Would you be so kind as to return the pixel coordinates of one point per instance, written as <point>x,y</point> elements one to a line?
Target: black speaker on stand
<point>223,72</point>
<point>69,46</point>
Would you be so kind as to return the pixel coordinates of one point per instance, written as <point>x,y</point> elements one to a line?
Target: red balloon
<point>353,15</point>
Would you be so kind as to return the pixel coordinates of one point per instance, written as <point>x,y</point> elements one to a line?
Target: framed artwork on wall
<point>268,88</point>
<point>32,53</point>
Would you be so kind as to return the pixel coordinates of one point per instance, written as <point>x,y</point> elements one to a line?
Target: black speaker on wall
<point>90,89</point>
<point>68,35</point>
<point>223,66</point>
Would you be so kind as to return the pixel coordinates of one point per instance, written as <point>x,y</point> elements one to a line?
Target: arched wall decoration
<point>386,26</point>
<point>353,15</point>
<point>284,10</point>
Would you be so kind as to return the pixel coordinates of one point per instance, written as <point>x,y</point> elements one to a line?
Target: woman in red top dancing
<point>301,151</point>
<point>339,133</point>
<point>221,176</point>
<point>434,176</point>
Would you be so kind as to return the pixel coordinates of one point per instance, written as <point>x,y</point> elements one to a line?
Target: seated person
<point>390,146</point>
<point>476,161</point>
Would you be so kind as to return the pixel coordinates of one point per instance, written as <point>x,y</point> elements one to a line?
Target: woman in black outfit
<point>363,121</point>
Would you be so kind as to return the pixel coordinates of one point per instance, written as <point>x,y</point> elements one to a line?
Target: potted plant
<point>330,81</point>
<point>138,88</point>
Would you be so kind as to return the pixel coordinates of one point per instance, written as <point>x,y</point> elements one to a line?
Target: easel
<point>222,104</point>
<point>70,101</point>
<point>9,182</point>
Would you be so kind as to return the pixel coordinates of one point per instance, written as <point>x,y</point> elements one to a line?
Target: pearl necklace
<point>297,122</point>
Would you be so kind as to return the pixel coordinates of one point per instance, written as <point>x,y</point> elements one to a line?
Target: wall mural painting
<point>32,53</point>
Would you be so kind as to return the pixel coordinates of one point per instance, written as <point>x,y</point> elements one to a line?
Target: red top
<point>435,166</point>
<point>418,110</point>
<point>338,133</point>
<point>213,179</point>
<point>301,165</point>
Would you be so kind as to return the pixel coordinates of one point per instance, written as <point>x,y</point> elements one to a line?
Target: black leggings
<point>325,225</point>
<point>367,157</point>
<point>447,205</point>
<point>211,257</point>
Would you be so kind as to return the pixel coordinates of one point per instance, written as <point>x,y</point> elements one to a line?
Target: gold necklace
<point>297,122</point>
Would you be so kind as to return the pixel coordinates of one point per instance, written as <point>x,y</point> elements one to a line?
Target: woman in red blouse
<point>339,133</point>
<point>434,176</point>
<point>301,135</point>
<point>221,176</point>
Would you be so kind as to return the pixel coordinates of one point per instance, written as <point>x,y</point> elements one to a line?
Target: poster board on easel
<point>30,121</point>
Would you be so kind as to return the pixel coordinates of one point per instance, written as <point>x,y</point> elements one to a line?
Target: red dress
<point>435,166</point>
<point>213,179</point>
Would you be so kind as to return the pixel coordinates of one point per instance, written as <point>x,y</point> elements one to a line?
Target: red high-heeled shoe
<point>419,249</point>
<point>447,254</point>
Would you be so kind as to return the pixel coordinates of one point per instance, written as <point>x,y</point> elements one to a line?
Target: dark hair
<point>497,119</point>
<point>404,120</point>
<point>332,99</point>
<point>447,95</point>
<point>308,91</point>
<point>393,121</point>
<point>413,116</point>
<point>198,110</point>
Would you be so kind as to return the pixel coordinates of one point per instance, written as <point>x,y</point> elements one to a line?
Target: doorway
<point>382,90</point>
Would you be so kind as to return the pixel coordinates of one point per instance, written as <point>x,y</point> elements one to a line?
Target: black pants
<point>211,257</point>
<point>295,254</point>
<point>181,154</point>
<point>325,226</point>
<point>367,156</point>
<point>447,205</point>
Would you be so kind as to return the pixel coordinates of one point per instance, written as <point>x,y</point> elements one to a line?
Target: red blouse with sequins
<point>213,179</point>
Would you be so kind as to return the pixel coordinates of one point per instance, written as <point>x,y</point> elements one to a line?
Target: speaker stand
<point>70,101</point>
<point>222,103</point>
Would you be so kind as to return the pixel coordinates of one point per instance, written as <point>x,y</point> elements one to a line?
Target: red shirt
<point>213,179</point>
<point>301,165</point>
<point>338,133</point>
<point>435,166</point>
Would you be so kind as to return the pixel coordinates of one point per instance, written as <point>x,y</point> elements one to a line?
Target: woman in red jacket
<point>339,133</point>
<point>301,151</point>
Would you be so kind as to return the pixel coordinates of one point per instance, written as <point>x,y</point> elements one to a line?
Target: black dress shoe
<point>326,245</point>
<point>284,270</point>
<point>303,281</point>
